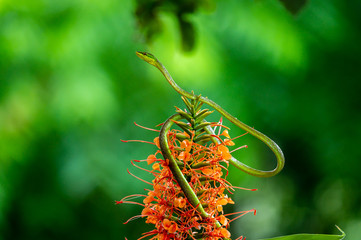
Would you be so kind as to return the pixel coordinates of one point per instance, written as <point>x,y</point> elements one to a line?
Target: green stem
<point>149,58</point>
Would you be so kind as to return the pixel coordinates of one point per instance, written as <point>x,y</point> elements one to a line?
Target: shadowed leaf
<point>294,6</point>
<point>305,236</point>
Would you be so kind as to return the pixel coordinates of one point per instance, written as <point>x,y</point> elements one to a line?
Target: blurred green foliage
<point>71,87</point>
<point>147,13</point>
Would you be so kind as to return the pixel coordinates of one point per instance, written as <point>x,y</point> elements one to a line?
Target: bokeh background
<point>71,86</point>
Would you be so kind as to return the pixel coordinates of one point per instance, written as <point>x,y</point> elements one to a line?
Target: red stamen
<point>144,160</point>
<point>248,189</point>
<point>239,136</point>
<point>147,234</point>
<point>151,129</point>
<point>133,196</point>
<point>133,218</point>
<point>155,173</point>
<point>244,146</point>
<point>130,202</point>
<point>138,178</point>
<point>242,213</point>
<point>216,136</point>
<point>219,125</point>
<point>220,122</point>
<point>141,141</point>
<point>160,124</point>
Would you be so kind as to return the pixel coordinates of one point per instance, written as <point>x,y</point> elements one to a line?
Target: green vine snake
<point>151,59</point>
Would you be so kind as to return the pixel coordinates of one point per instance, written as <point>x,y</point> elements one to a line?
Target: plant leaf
<point>294,6</point>
<point>305,236</point>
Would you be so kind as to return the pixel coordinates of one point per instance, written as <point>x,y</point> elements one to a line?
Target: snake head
<point>148,57</point>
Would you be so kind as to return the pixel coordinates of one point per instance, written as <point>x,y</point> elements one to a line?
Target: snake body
<point>151,59</point>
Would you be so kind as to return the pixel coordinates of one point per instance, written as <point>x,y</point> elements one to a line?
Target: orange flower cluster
<point>167,207</point>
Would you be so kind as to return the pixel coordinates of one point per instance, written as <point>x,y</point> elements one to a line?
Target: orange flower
<point>166,206</point>
<point>223,220</point>
<point>156,141</point>
<point>151,159</point>
<point>207,171</point>
<point>229,142</point>
<point>225,133</point>
<point>156,166</point>
<point>187,145</point>
<point>225,233</point>
<point>185,156</point>
<point>224,151</point>
<point>222,201</point>
<point>170,226</point>
<point>180,202</point>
